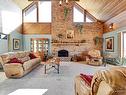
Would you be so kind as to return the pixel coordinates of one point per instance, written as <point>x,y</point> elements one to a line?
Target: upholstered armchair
<point>94,57</point>
<point>105,82</point>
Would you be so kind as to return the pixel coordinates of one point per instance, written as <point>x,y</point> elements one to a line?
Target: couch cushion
<point>30,63</point>
<point>20,54</point>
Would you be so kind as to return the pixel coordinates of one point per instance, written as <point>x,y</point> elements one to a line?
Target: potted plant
<point>120,61</point>
<point>79,27</point>
<point>97,40</point>
<point>66,11</point>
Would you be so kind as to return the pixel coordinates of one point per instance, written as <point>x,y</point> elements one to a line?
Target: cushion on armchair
<point>87,78</point>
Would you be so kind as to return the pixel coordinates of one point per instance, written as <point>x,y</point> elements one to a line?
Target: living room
<point>75,39</point>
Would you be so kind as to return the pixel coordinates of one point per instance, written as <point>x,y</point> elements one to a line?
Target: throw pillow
<point>32,56</point>
<point>15,60</point>
<point>87,78</point>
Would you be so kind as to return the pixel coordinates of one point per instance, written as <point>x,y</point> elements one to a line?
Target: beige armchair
<point>106,82</point>
<point>94,57</point>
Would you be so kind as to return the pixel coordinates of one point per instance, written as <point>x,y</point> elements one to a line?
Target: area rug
<point>57,84</point>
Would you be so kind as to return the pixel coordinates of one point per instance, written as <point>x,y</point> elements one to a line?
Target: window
<point>78,16</point>
<point>88,20</point>
<point>124,44</point>
<point>45,11</point>
<point>3,36</point>
<point>30,15</point>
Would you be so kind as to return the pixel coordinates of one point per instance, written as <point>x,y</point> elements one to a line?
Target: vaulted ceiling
<point>22,3</point>
<point>103,9</point>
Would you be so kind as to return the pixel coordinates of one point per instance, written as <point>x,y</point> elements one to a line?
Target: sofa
<point>105,82</point>
<point>18,69</point>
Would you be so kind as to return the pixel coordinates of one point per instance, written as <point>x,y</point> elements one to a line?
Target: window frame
<point>37,12</point>
<point>80,12</point>
<point>4,37</point>
<point>122,45</point>
<point>51,12</point>
<point>27,8</point>
<point>85,13</point>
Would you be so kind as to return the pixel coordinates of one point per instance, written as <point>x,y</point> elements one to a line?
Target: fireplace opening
<point>63,53</point>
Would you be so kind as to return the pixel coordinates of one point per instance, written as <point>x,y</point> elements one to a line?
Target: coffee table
<point>52,63</point>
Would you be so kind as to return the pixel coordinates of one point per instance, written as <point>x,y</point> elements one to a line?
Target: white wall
<point>3,46</point>
<point>0,22</point>
<point>10,6</point>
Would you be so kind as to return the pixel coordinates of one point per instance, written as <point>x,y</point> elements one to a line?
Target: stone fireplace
<point>63,53</point>
<point>67,50</point>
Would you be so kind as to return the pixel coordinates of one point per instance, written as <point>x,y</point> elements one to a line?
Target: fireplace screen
<point>63,53</point>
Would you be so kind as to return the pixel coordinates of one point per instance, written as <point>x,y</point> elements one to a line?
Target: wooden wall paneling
<point>36,28</point>
<point>118,22</point>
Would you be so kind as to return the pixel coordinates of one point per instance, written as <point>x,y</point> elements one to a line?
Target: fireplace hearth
<point>63,53</point>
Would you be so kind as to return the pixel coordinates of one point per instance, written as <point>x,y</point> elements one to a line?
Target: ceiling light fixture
<point>111,26</point>
<point>63,1</point>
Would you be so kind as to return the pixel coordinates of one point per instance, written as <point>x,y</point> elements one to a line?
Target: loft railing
<point>3,36</point>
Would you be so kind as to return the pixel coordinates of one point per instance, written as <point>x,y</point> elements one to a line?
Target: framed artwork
<point>70,34</point>
<point>16,44</point>
<point>109,44</point>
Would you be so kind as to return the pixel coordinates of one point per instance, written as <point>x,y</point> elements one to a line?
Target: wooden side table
<point>52,63</point>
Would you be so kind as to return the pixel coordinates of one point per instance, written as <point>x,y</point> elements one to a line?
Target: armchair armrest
<point>105,88</point>
<point>13,70</point>
<point>108,90</point>
<point>13,64</point>
<point>114,77</point>
<point>96,57</point>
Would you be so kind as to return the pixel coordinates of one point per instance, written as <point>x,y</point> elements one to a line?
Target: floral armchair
<point>94,57</point>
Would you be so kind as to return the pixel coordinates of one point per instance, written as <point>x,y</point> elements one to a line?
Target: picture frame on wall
<point>109,44</point>
<point>16,44</point>
<point>70,34</point>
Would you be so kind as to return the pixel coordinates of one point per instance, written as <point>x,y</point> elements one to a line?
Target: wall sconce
<point>63,1</point>
<point>111,26</point>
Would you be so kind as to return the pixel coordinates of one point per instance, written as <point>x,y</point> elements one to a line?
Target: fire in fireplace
<point>63,53</point>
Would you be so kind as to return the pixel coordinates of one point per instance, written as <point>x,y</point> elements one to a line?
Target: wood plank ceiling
<point>22,3</point>
<point>103,9</point>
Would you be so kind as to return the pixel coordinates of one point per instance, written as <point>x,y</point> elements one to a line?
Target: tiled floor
<point>57,84</point>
